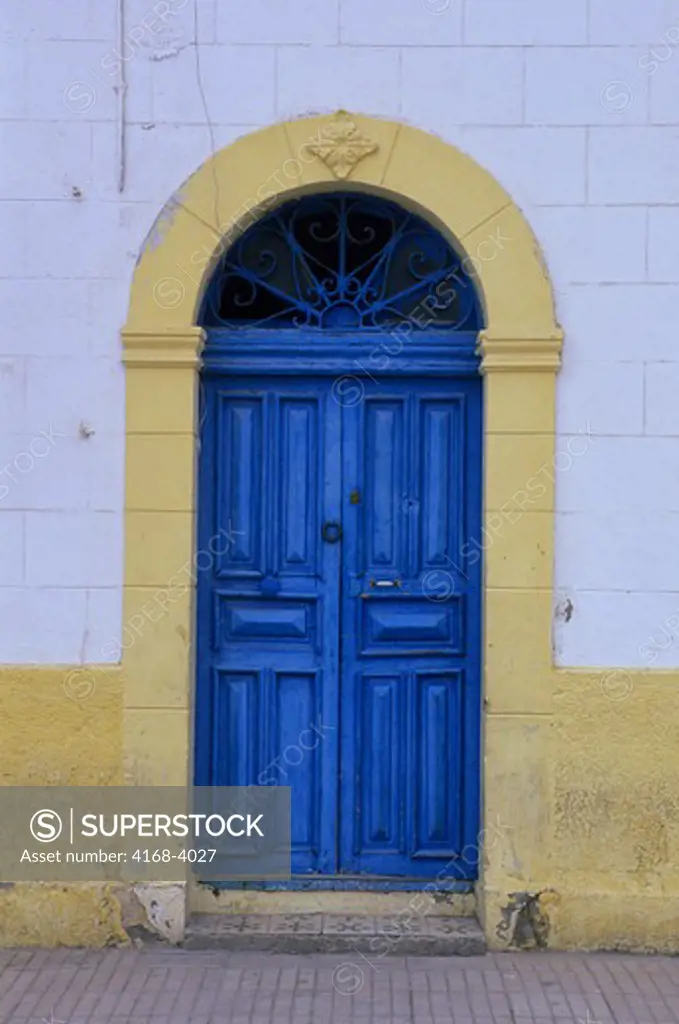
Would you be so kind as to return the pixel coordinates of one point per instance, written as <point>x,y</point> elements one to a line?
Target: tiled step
<point>398,935</point>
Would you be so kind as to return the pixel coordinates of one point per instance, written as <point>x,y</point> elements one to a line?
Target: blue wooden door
<point>339,629</point>
<point>268,606</point>
<point>410,629</point>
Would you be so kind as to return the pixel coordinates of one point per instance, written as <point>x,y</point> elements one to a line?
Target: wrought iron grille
<point>341,262</point>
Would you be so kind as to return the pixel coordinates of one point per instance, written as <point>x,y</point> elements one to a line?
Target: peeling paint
<point>524,924</point>
<point>171,50</point>
<point>540,259</point>
<point>165,906</point>
<point>160,226</point>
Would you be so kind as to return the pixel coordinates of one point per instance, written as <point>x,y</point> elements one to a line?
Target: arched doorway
<point>339,629</point>
<point>520,348</point>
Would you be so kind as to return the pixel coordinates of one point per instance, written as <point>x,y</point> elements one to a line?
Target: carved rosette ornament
<point>342,144</point>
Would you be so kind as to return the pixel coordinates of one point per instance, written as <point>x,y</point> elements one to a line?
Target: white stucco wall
<point>572,104</point>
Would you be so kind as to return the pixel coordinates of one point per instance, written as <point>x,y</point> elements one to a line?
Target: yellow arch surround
<point>420,170</point>
<point>162,355</point>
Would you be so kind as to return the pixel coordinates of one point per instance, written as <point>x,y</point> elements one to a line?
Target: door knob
<point>331,532</point>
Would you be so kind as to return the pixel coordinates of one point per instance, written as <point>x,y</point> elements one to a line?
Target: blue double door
<point>339,617</point>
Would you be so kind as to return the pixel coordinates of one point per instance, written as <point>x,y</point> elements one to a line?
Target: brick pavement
<point>154,986</point>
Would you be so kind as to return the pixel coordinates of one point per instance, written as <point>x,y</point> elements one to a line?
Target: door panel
<point>299,551</point>
<point>440,454</point>
<point>437,757</point>
<point>240,481</point>
<point>296,702</point>
<point>383,524</point>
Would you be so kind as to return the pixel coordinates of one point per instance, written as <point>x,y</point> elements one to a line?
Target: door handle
<point>331,532</point>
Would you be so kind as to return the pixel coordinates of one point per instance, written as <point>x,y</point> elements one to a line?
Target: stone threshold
<point>394,935</point>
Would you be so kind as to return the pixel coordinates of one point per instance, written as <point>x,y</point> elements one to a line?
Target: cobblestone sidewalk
<point>176,987</point>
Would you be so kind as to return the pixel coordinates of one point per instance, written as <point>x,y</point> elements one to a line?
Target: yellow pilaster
<point>158,605</point>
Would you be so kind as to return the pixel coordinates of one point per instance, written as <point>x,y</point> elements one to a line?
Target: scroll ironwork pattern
<point>341,262</point>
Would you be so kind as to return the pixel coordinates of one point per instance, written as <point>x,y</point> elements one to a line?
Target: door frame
<point>520,350</point>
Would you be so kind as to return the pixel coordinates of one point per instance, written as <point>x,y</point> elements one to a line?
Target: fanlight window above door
<point>341,262</point>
